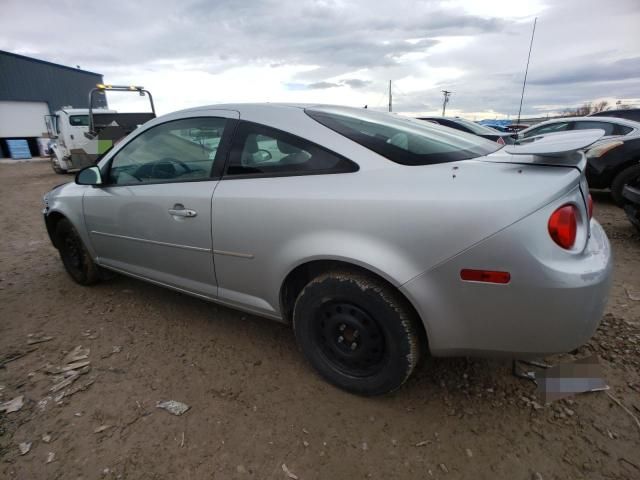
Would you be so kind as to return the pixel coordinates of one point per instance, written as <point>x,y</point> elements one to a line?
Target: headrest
<point>286,148</point>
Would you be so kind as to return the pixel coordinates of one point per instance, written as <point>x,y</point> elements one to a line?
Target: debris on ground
<point>32,339</point>
<point>12,405</point>
<point>423,443</point>
<point>46,437</point>
<point>101,428</point>
<point>77,354</point>
<point>114,350</point>
<point>632,295</point>
<point>289,473</point>
<point>15,355</point>
<point>24,448</point>
<point>51,457</point>
<point>173,407</point>
<point>566,379</point>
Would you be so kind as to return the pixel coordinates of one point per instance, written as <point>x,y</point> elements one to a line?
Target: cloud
<point>350,82</point>
<point>322,85</point>
<point>599,71</point>
<point>356,82</point>
<point>337,51</point>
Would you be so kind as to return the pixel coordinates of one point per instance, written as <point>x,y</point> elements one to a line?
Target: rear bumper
<point>553,303</point>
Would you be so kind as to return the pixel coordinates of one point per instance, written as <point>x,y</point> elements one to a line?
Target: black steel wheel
<point>358,332</point>
<point>75,257</point>
<point>349,338</point>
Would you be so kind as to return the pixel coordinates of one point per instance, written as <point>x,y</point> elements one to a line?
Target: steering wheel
<point>173,160</point>
<point>159,168</point>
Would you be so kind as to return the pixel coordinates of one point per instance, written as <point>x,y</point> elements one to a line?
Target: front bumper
<point>553,303</point>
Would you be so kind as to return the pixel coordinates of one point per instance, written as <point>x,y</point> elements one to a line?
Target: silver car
<point>378,237</point>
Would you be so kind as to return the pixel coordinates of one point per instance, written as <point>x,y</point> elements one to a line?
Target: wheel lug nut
<point>342,327</point>
<point>354,345</point>
<point>356,334</point>
<point>340,339</point>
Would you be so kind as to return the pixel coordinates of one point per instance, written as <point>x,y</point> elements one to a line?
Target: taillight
<point>590,206</point>
<point>500,141</point>
<point>563,225</point>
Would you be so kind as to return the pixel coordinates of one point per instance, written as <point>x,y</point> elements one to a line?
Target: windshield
<point>401,139</point>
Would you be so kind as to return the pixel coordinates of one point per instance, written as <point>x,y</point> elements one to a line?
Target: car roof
<point>620,121</point>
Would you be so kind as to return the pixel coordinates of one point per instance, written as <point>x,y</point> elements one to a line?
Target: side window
<point>79,120</point>
<point>551,128</point>
<point>177,151</point>
<point>260,150</point>
<point>606,126</point>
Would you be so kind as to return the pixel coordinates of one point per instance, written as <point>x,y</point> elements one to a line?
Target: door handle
<point>178,210</point>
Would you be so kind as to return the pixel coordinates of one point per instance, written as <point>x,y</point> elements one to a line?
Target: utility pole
<point>526,71</point>
<point>390,98</point>
<point>446,94</point>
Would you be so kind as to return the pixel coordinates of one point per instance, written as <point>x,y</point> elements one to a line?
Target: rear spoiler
<point>556,145</point>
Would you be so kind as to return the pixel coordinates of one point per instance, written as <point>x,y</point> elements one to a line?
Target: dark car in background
<point>613,163</point>
<point>474,128</point>
<point>629,114</point>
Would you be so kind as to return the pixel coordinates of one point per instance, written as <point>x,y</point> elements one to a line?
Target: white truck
<point>81,135</point>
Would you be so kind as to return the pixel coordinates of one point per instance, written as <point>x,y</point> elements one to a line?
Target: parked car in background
<point>517,127</point>
<point>474,128</point>
<point>631,199</point>
<point>377,237</point>
<point>629,114</point>
<point>614,162</point>
<point>610,126</point>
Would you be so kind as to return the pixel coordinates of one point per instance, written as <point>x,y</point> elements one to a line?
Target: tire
<point>56,166</point>
<point>75,257</point>
<point>357,332</point>
<point>620,180</point>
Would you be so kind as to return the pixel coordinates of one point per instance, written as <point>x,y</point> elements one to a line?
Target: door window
<point>177,151</point>
<point>261,150</point>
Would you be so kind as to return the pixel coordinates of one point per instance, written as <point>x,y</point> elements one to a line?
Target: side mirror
<point>89,176</point>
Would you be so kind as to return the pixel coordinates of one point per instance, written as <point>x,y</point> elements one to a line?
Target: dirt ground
<point>256,408</point>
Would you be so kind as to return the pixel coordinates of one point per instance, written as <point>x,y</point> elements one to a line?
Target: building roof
<point>37,60</point>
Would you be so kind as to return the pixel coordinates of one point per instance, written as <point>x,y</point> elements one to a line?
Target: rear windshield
<point>476,127</point>
<point>401,139</point>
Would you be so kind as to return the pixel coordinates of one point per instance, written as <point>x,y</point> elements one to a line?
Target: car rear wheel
<point>75,257</point>
<point>357,332</point>
<point>620,180</point>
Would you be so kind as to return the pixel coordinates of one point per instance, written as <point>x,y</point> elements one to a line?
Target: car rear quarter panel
<point>397,221</point>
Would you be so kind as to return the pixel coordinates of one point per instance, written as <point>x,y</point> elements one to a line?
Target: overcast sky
<point>195,52</point>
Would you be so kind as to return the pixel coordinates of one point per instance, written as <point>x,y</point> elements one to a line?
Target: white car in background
<point>610,125</point>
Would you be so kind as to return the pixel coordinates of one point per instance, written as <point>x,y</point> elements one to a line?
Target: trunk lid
<point>553,150</point>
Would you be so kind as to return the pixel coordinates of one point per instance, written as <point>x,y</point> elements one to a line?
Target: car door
<point>152,217</point>
<point>270,172</point>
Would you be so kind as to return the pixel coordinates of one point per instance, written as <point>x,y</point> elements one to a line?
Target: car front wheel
<point>623,178</point>
<point>75,257</point>
<point>357,332</point>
